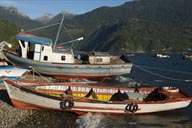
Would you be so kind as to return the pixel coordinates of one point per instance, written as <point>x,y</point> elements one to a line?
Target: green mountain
<point>8,31</point>
<point>18,18</point>
<point>137,26</point>
<point>171,12</point>
<point>138,35</point>
<point>145,25</point>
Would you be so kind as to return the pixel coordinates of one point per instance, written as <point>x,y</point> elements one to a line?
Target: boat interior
<point>115,94</point>
<point>104,94</point>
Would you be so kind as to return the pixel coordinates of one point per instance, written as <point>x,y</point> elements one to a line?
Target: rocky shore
<point>11,117</point>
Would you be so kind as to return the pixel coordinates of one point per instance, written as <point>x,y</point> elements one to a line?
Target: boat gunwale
<point>82,99</point>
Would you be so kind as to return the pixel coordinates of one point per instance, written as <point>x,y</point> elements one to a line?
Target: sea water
<point>147,70</point>
<point>151,71</point>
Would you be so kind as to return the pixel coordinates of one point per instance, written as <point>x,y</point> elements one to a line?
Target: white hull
<point>72,70</point>
<point>11,72</point>
<point>25,99</point>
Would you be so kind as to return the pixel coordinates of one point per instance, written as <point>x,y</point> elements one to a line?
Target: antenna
<point>58,32</point>
<point>78,39</point>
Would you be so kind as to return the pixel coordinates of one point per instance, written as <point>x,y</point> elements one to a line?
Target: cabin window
<point>45,58</point>
<point>62,57</point>
<point>99,59</point>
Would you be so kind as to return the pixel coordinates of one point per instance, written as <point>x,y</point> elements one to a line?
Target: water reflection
<point>158,120</point>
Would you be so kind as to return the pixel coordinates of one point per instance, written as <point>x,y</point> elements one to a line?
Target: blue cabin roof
<point>34,39</point>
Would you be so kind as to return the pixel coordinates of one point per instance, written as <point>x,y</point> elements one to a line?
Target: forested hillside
<point>8,31</point>
<point>13,15</point>
<point>137,26</point>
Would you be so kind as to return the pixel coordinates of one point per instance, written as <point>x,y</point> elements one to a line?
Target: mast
<point>58,32</point>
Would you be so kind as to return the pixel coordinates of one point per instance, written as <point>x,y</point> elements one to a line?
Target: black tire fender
<point>131,107</point>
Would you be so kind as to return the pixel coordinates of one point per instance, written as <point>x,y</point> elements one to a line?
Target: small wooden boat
<point>80,99</point>
<point>11,72</point>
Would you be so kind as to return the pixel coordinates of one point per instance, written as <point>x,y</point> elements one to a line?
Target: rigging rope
<point>69,35</point>
<point>165,77</point>
<point>165,70</point>
<point>34,71</point>
<point>42,27</point>
<point>51,26</point>
<point>68,32</point>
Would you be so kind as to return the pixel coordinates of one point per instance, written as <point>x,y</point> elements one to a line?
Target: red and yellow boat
<point>81,99</point>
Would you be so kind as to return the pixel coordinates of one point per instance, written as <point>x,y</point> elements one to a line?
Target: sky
<point>36,8</point>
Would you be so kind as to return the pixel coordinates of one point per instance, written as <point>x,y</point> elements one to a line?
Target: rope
<point>39,74</point>
<point>68,32</point>
<point>165,70</point>
<point>69,35</point>
<point>51,26</point>
<point>43,27</point>
<point>165,77</point>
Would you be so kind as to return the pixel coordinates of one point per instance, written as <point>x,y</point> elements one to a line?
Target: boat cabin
<point>41,49</point>
<point>99,58</point>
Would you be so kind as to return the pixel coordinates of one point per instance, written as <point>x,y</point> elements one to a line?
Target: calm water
<point>175,69</point>
<point>155,72</point>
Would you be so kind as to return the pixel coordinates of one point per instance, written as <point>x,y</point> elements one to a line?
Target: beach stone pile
<point>11,117</point>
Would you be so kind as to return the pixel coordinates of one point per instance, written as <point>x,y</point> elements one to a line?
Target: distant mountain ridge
<point>137,26</point>
<point>18,18</point>
<point>50,18</point>
<point>45,18</point>
<point>15,11</point>
<point>57,18</point>
<point>174,17</point>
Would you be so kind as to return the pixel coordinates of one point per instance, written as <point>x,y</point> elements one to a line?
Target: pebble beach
<point>11,117</point>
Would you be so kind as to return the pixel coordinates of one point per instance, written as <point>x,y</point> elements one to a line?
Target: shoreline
<point>22,118</point>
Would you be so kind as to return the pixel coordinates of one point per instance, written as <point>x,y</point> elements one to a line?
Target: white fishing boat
<point>48,58</point>
<point>158,55</point>
<point>81,99</point>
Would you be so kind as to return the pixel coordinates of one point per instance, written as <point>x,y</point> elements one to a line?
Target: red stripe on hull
<point>23,105</point>
<point>66,77</point>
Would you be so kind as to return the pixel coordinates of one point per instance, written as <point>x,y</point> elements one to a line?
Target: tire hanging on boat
<point>132,107</point>
<point>66,104</point>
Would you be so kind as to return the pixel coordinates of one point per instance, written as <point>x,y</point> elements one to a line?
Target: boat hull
<point>11,72</point>
<point>72,70</point>
<point>23,97</point>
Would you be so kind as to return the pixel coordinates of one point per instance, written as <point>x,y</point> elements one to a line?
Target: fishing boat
<point>81,99</point>
<point>158,55</point>
<point>51,58</point>
<point>38,53</point>
<point>11,72</point>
